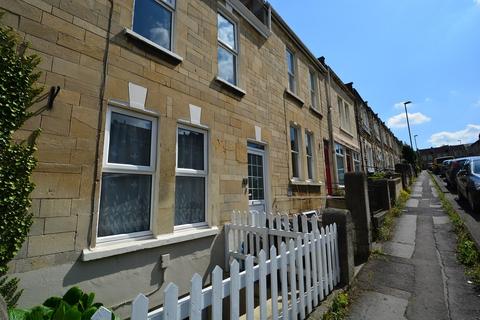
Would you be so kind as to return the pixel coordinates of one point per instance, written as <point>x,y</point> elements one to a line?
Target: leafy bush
<point>74,305</point>
<point>17,94</point>
<point>467,252</point>
<point>338,310</point>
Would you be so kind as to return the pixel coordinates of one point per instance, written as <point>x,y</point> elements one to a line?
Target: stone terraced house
<point>380,149</point>
<point>171,114</point>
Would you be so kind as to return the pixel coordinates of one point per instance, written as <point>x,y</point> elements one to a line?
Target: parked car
<point>452,170</point>
<point>468,182</point>
<point>444,167</point>
<point>437,163</point>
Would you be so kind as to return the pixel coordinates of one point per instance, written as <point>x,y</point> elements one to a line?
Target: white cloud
<point>399,105</point>
<point>161,35</point>
<point>467,135</point>
<point>477,2</point>
<point>477,104</point>
<point>399,121</point>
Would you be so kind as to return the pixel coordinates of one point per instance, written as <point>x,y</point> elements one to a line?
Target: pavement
<point>417,276</point>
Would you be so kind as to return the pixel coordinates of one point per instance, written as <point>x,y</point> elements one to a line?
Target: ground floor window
<point>356,162</point>
<point>191,177</point>
<point>309,154</point>
<point>127,175</point>
<point>340,158</point>
<point>295,151</point>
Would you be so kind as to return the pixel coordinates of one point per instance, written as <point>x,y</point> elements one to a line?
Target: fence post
<point>344,241</point>
<point>140,308</point>
<point>356,197</point>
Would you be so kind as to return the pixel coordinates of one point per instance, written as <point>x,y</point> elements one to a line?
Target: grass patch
<point>385,232</point>
<point>467,252</point>
<point>338,309</point>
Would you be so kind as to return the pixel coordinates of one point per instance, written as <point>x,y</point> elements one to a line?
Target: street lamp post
<point>415,137</point>
<point>408,123</point>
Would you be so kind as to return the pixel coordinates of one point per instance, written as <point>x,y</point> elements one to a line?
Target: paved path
<point>418,277</point>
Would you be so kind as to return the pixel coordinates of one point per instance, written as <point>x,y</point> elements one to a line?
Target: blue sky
<point>426,51</point>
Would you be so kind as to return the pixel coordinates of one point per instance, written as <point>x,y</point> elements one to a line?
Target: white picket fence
<point>292,282</point>
<point>249,232</point>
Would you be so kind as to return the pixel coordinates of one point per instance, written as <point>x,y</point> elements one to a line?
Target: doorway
<point>257,191</point>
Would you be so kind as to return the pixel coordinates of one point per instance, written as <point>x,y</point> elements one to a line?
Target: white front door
<point>256,178</point>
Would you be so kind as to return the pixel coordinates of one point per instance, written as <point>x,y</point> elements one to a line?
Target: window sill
<point>316,112</point>
<point>117,248</point>
<point>312,183</point>
<point>233,88</point>
<point>346,132</point>
<point>173,57</point>
<point>296,98</point>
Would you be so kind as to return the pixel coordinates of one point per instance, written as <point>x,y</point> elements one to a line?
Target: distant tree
<point>18,93</point>
<point>409,155</point>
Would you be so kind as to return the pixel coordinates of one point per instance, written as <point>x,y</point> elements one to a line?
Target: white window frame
<point>341,110</point>
<point>310,158</point>
<point>109,167</point>
<point>223,45</point>
<point>343,155</point>
<point>184,172</point>
<point>365,120</point>
<point>313,89</point>
<point>348,123</point>
<point>356,161</point>
<point>297,152</point>
<point>168,6</point>
<point>294,71</point>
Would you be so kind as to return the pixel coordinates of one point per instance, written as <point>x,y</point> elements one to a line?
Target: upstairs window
<point>295,151</point>
<point>227,49</point>
<point>127,175</point>
<point>309,154</point>
<point>313,90</point>
<point>365,120</point>
<point>291,71</point>
<point>153,19</point>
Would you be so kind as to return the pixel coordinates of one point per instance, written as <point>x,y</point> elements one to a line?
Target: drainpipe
<point>330,128</point>
<point>92,234</point>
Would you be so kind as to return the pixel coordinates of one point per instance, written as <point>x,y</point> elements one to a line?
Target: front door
<point>256,177</point>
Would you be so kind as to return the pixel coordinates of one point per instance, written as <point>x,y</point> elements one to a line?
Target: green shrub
<point>74,305</point>
<point>338,310</point>
<point>17,94</point>
<point>467,252</point>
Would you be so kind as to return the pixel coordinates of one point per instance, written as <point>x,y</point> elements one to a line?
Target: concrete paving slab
<point>412,203</point>
<point>441,220</point>
<point>374,305</point>
<point>405,229</point>
<point>416,195</point>
<point>435,205</point>
<point>401,250</point>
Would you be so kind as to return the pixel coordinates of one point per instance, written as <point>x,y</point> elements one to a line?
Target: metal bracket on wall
<point>50,96</point>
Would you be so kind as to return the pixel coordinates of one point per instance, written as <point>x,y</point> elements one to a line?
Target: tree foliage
<point>17,93</point>
<point>409,155</point>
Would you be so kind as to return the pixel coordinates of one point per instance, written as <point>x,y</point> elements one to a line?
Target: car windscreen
<point>476,166</point>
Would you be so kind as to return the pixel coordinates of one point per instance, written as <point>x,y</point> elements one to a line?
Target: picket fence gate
<point>249,232</point>
<point>300,276</point>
